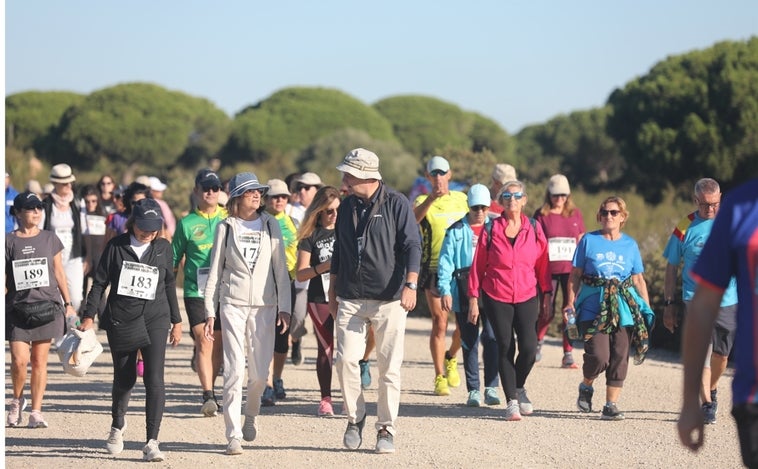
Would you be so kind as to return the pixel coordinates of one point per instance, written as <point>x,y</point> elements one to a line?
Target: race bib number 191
<point>561,249</point>
<point>138,280</point>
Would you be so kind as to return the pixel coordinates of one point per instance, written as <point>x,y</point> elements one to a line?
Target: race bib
<point>250,244</point>
<point>31,273</point>
<point>202,279</point>
<point>95,225</point>
<point>138,280</point>
<point>561,249</point>
<point>325,282</point>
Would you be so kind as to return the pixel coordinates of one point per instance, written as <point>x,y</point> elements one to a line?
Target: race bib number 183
<point>138,280</point>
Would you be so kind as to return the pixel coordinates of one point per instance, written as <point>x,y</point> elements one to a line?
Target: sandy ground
<point>433,431</point>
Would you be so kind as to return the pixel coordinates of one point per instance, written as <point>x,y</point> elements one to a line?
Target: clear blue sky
<point>518,62</point>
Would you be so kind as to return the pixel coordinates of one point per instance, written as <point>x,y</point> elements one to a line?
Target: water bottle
<point>571,330</point>
<point>72,322</point>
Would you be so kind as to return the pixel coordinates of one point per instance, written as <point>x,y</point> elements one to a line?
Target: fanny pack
<point>39,313</point>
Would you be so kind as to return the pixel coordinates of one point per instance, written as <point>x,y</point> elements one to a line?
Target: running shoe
<point>709,413</point>
<point>538,357</point>
<point>325,407</point>
<point>568,361</point>
<point>210,407</point>
<point>611,412</point>
<point>385,443</point>
<point>491,397</point>
<point>16,412</point>
<point>524,404</point>
<point>115,442</point>
<point>279,389</point>
<point>36,420</point>
<point>269,397</point>
<point>152,453</point>
<point>584,401</point>
<point>512,412</point>
<point>297,355</point>
<point>474,398</point>
<point>250,428</point>
<point>440,386</point>
<point>451,371</point>
<point>235,447</point>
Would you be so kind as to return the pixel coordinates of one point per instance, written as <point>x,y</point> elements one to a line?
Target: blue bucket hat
<point>243,182</point>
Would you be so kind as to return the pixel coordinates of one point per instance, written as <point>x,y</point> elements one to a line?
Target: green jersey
<point>193,241</point>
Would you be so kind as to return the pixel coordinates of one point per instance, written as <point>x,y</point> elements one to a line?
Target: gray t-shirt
<point>29,273</point>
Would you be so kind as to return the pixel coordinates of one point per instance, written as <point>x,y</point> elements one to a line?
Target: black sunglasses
<point>304,186</point>
<point>437,172</point>
<point>213,188</point>
<point>605,213</point>
<point>479,208</point>
<point>330,211</point>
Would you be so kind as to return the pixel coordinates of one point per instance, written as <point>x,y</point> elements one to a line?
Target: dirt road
<point>432,431</point>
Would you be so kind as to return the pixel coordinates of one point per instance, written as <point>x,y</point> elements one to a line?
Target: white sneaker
<point>512,412</point>
<point>250,428</point>
<point>152,453</point>
<point>115,442</point>
<point>524,404</point>
<point>235,447</point>
<point>16,412</point>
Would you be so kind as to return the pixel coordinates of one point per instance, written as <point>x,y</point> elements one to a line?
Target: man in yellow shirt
<point>435,212</point>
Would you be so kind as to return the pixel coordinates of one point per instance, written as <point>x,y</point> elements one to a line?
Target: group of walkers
<point>257,258</point>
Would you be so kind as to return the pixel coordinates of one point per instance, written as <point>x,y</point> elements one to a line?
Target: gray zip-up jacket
<point>230,280</point>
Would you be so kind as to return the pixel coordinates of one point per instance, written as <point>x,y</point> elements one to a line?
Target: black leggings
<point>125,376</point>
<point>507,318</point>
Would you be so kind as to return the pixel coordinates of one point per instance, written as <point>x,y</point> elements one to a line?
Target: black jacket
<point>392,247</point>
<point>160,312</point>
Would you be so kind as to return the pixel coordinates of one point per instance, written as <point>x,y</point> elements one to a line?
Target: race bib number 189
<point>138,280</point>
<point>31,273</point>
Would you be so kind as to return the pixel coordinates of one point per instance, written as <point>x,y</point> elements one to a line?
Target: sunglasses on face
<point>250,192</point>
<point>479,208</point>
<point>605,213</point>
<point>510,195</point>
<point>280,196</point>
<point>330,211</point>
<point>559,195</point>
<point>212,188</point>
<point>34,209</point>
<point>304,187</point>
<point>437,172</point>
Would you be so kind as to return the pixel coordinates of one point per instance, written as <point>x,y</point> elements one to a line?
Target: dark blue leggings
<point>125,376</point>
<point>507,318</point>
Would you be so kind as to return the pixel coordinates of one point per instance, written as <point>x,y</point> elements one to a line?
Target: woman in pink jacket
<point>510,269</point>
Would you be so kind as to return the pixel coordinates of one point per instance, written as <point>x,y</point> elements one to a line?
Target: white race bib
<point>561,249</point>
<point>325,283</point>
<point>31,273</point>
<point>250,244</point>
<point>138,280</point>
<point>95,225</point>
<point>202,280</point>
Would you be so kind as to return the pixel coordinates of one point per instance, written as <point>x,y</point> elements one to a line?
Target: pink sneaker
<point>325,407</point>
<point>140,368</point>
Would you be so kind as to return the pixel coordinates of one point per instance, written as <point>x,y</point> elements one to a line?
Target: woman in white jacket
<point>248,279</point>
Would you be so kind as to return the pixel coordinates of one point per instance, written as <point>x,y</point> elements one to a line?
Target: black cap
<point>25,200</point>
<point>207,178</point>
<point>147,215</point>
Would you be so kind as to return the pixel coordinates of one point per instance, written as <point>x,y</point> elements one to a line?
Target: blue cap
<point>478,194</point>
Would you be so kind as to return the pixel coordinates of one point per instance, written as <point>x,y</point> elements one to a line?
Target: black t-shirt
<point>321,245</point>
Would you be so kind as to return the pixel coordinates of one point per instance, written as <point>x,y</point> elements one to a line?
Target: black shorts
<point>195,308</point>
<point>746,417</point>
<point>430,283</point>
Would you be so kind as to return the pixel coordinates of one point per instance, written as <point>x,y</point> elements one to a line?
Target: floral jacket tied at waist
<point>620,306</point>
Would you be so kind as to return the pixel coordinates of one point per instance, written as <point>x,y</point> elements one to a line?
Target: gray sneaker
<point>611,412</point>
<point>151,452</point>
<point>16,412</point>
<point>235,447</point>
<point>524,404</point>
<point>352,438</point>
<point>115,442</point>
<point>584,401</point>
<point>250,428</point>
<point>210,407</point>
<point>384,442</point>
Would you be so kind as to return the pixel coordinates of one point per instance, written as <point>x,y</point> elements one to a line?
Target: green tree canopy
<point>398,167</point>
<point>291,119</point>
<point>576,145</point>
<point>692,115</point>
<point>141,124</point>
<point>424,125</point>
<point>31,118</point>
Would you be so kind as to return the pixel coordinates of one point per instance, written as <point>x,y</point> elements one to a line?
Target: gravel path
<point>432,431</point>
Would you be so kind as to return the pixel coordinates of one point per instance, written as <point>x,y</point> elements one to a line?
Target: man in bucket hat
<point>367,286</point>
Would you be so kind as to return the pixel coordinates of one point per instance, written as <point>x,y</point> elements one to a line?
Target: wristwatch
<point>411,285</point>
